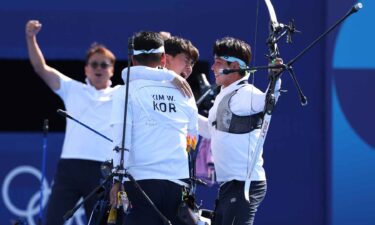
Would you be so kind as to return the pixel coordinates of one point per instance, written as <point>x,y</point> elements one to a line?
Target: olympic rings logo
<point>32,208</point>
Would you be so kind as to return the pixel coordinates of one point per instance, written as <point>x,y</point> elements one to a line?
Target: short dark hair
<point>176,45</point>
<point>229,46</point>
<point>147,40</point>
<point>100,49</point>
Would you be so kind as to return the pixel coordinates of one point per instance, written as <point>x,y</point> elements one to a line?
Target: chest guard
<point>227,121</point>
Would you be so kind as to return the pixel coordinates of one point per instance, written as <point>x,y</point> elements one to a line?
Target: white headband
<point>151,51</point>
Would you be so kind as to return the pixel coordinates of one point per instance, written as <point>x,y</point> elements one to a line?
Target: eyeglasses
<point>103,65</point>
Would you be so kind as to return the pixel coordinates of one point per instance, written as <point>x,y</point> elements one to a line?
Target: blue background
<point>319,159</point>
<point>351,75</point>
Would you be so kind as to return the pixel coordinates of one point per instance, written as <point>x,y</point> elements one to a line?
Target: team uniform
<point>233,124</point>
<point>160,121</point>
<point>78,171</point>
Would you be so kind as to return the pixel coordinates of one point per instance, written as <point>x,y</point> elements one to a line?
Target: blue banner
<point>20,176</point>
<point>352,76</point>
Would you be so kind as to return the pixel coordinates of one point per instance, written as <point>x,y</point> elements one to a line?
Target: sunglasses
<point>102,65</point>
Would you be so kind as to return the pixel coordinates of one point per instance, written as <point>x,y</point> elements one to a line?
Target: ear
<point>168,60</point>
<point>163,60</point>
<point>86,69</point>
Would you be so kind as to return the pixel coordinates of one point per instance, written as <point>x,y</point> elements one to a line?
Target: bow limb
<point>270,98</point>
<point>274,29</point>
<point>271,11</point>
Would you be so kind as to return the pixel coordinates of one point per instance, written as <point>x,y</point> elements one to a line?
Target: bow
<point>276,32</point>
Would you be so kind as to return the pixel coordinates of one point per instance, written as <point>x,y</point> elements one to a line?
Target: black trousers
<point>232,207</point>
<point>74,179</point>
<point>166,196</point>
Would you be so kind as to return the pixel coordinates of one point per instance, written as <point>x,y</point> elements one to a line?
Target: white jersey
<point>148,73</point>
<point>91,107</point>
<point>231,152</point>
<point>159,119</point>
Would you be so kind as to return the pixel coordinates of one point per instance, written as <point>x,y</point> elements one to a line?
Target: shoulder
<point>148,73</point>
<point>119,91</point>
<point>67,80</point>
<point>248,89</point>
<point>151,83</point>
<point>67,84</point>
<point>116,88</point>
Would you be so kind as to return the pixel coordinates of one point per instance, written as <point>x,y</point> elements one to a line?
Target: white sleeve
<point>203,127</point>
<point>117,123</point>
<point>147,73</point>
<point>248,100</point>
<point>65,86</point>
<point>277,89</point>
<point>193,123</point>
